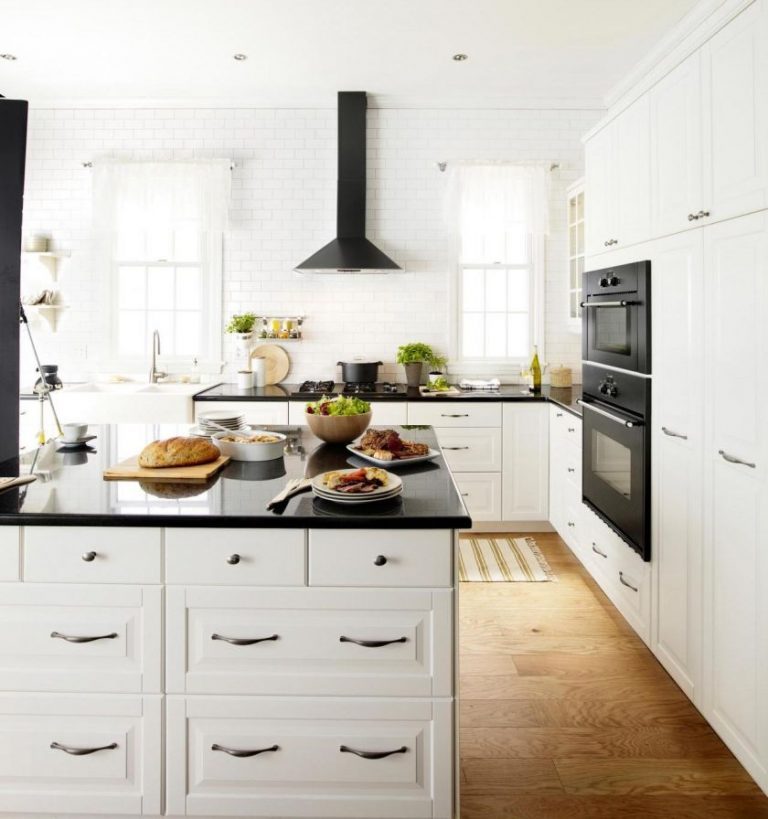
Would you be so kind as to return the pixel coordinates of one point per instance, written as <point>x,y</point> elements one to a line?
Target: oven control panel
<point>623,390</point>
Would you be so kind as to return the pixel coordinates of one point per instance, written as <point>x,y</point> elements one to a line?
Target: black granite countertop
<point>563,396</point>
<point>71,491</point>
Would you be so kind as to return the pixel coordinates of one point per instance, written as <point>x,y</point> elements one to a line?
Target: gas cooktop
<point>369,390</point>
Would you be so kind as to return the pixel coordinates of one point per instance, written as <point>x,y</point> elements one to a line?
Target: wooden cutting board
<point>276,364</point>
<point>129,470</point>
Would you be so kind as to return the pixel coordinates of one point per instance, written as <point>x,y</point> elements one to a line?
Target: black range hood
<point>350,251</point>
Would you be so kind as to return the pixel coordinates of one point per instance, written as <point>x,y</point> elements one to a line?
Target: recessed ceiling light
<point>460,57</point>
<point>10,57</point>
<point>240,57</point>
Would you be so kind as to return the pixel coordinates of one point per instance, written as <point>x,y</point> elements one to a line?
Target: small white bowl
<point>250,452</point>
<point>72,433</point>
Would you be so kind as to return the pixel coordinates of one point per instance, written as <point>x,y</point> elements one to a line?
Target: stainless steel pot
<point>359,371</point>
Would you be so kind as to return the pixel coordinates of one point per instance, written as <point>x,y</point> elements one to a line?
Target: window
<point>501,213</point>
<point>575,252</point>
<point>162,227</point>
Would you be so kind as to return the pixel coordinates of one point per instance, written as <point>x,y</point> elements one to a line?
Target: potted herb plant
<point>413,356</point>
<point>436,365</point>
<point>241,325</point>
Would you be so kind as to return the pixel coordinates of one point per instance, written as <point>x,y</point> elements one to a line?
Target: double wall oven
<point>617,400</point>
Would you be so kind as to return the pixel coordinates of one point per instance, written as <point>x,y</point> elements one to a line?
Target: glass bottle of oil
<point>535,370</point>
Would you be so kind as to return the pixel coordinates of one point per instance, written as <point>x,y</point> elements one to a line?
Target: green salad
<point>440,384</point>
<point>340,405</point>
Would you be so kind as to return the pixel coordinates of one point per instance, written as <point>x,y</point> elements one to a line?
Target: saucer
<point>80,442</point>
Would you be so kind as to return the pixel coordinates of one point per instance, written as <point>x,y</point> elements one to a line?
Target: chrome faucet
<point>154,374</point>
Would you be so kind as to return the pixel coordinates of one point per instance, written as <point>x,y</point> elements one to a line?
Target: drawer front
<point>455,413</point>
<point>80,638</point>
<point>482,494</point>
<point>9,553</point>
<point>91,554</point>
<point>383,413</point>
<point>309,767</point>
<point>124,778</point>
<point>471,450</point>
<point>566,427</point>
<point>255,412</point>
<point>364,557</point>
<point>253,557</point>
<point>309,641</point>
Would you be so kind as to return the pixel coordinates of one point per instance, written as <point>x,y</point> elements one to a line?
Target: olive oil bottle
<point>535,369</point>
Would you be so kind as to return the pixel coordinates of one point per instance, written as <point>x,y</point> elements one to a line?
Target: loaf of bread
<point>178,452</point>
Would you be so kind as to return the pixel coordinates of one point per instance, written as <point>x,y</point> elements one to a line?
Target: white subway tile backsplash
<point>283,209</point>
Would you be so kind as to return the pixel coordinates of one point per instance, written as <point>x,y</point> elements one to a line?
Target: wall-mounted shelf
<point>50,312</point>
<point>279,328</point>
<point>50,258</point>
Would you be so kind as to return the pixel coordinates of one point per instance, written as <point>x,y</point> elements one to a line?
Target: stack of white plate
<point>393,488</point>
<point>223,418</point>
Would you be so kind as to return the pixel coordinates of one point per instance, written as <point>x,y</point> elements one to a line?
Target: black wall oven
<point>617,317</point>
<point>617,452</point>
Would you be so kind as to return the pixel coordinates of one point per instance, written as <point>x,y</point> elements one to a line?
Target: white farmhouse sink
<point>126,403</point>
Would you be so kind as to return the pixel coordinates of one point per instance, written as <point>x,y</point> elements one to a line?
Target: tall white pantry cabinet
<point>707,194</point>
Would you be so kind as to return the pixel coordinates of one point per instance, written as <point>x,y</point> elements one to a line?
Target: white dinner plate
<point>393,488</point>
<point>417,459</point>
<point>358,500</point>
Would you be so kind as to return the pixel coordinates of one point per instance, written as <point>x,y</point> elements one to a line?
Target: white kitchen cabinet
<point>525,478</point>
<point>471,449</point>
<point>482,494</point>
<point>80,638</point>
<point>735,95</point>
<point>124,777</point>
<point>677,161</point>
<point>257,413</point>
<point>618,181</point>
<point>677,447</point>
<point>307,765</point>
<point>458,414</point>
<point>736,489</point>
<point>9,553</point>
<point>319,642</point>
<point>383,413</point>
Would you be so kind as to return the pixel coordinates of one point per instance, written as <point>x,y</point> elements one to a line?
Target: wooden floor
<point>565,714</point>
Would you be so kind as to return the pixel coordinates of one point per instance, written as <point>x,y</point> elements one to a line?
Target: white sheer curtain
<point>496,208</point>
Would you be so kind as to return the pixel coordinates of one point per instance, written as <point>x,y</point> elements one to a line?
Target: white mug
<point>245,379</point>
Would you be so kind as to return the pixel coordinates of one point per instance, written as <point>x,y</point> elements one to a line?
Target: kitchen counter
<point>563,396</point>
<point>70,489</point>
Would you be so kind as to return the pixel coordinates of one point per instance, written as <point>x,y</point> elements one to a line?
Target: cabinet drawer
<point>471,450</point>
<point>124,778</point>
<point>246,557</point>
<point>303,641</point>
<point>36,620</point>
<point>364,557</point>
<point>566,428</point>
<point>255,412</point>
<point>309,767</point>
<point>482,494</point>
<point>455,413</point>
<point>91,554</point>
<point>9,553</point>
<point>383,413</point>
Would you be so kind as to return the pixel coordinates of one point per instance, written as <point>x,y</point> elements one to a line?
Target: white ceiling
<point>300,52</point>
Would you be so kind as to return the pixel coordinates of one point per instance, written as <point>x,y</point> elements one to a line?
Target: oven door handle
<point>622,303</point>
<point>618,419</point>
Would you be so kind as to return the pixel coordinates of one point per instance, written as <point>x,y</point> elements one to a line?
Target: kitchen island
<point>178,650</point>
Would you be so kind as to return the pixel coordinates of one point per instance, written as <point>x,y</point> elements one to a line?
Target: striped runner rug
<point>502,560</point>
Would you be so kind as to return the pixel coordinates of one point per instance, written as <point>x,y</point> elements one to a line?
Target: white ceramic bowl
<point>73,432</point>
<point>250,452</point>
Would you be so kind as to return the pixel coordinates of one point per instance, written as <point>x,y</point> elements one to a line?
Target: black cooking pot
<point>359,371</point>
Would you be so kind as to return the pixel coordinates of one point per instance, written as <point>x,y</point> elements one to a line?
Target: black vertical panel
<point>350,203</point>
<point>13,145</point>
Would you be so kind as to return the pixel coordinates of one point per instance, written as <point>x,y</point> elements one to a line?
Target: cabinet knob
<point>233,560</point>
<point>692,217</point>
<point>702,214</point>
<point>571,524</point>
<point>380,560</point>
<point>571,469</point>
<point>88,557</point>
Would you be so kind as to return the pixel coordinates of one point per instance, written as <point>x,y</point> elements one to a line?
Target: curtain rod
<point>232,164</point>
<point>442,166</point>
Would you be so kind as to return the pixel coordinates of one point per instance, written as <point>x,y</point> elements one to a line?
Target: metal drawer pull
<point>571,469</point>
<point>380,560</point>
<point>598,551</point>
<point>622,303</point>
<point>454,415</point>
<point>465,494</point>
<point>372,643</point>
<point>571,524</point>
<point>702,213</point>
<point>345,749</point>
<point>673,434</point>
<point>571,429</point>
<point>88,557</point>
<point>70,638</point>
<point>622,421</point>
<point>68,749</point>
<point>243,641</point>
<point>455,447</point>
<point>627,583</point>
<point>692,217</point>
<point>236,752</point>
<point>733,460</point>
<point>233,560</point>
<point>558,415</point>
